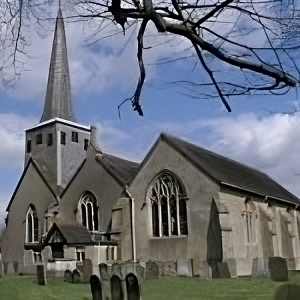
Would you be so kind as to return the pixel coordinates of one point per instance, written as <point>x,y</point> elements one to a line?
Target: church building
<point>189,210</point>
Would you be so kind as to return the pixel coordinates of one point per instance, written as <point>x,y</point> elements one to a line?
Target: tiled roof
<point>123,170</point>
<point>71,233</point>
<point>229,172</point>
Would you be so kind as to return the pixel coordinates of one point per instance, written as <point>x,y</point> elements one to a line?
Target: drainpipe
<point>132,225</point>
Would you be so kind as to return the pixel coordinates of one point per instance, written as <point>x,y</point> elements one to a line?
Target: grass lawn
<point>26,287</point>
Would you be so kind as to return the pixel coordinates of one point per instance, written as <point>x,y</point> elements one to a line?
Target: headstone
<point>68,276</point>
<point>1,266</point>
<point>96,288</point>
<point>76,276</point>
<point>152,270</point>
<point>41,274</point>
<point>87,270</point>
<point>260,267</point>
<point>116,288</point>
<point>184,267</point>
<point>5,267</point>
<point>223,270</point>
<point>103,271</point>
<point>16,265</point>
<point>287,292</point>
<point>132,287</point>
<point>140,271</point>
<point>278,269</point>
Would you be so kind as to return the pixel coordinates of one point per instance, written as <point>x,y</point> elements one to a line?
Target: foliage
<point>242,46</point>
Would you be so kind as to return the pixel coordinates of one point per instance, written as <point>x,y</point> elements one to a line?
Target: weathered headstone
<point>5,267</point>
<point>223,270</point>
<point>278,269</point>
<point>68,276</point>
<point>287,292</point>
<point>184,267</point>
<point>152,270</point>
<point>87,270</point>
<point>16,267</point>
<point>103,271</point>
<point>1,266</point>
<point>41,274</point>
<point>76,276</point>
<point>116,288</point>
<point>132,287</point>
<point>96,288</point>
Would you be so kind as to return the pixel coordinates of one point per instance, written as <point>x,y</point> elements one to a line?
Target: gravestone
<point>287,292</point>
<point>96,288</point>
<point>152,270</point>
<point>116,288</point>
<point>184,267</point>
<point>68,276</point>
<point>41,274</point>
<point>87,270</point>
<point>1,266</point>
<point>5,267</point>
<point>223,270</point>
<point>103,271</point>
<point>16,267</point>
<point>278,269</point>
<point>76,276</point>
<point>132,287</point>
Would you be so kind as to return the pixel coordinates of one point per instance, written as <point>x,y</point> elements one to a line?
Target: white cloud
<point>271,143</point>
<point>12,134</point>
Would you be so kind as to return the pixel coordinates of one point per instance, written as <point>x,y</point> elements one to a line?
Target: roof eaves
<point>18,184</point>
<point>257,193</point>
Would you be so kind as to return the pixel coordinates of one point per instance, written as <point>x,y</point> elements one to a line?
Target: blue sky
<point>105,73</point>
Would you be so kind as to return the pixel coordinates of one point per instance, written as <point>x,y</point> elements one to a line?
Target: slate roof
<point>123,170</point>
<point>72,233</point>
<point>228,172</point>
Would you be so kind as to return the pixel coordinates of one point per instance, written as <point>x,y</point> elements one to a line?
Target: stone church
<point>190,210</point>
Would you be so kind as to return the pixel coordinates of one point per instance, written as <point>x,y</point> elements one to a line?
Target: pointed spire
<point>58,103</point>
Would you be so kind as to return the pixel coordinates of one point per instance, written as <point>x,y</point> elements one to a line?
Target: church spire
<point>58,103</point>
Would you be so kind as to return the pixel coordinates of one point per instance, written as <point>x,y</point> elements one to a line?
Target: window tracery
<point>31,225</point>
<point>168,203</point>
<point>89,211</point>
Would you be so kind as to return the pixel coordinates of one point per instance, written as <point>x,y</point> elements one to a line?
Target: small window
<point>50,139</point>
<point>80,254</point>
<point>39,139</point>
<point>86,144</point>
<point>57,250</point>
<point>28,147</point>
<point>74,137</point>
<point>63,138</point>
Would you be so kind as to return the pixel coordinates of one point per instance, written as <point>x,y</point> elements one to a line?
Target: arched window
<point>168,201</point>
<point>250,216</point>
<point>89,211</point>
<point>32,231</point>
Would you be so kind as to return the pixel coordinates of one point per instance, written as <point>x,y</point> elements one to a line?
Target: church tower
<point>58,143</point>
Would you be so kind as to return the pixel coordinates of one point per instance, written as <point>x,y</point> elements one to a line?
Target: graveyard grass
<point>26,287</point>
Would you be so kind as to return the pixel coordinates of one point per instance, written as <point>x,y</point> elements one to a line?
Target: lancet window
<point>168,203</point>
<point>250,216</point>
<point>89,211</point>
<point>32,231</point>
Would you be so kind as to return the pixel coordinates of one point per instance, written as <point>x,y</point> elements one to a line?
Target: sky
<point>259,131</point>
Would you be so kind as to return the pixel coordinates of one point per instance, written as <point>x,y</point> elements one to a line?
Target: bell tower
<point>58,143</point>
